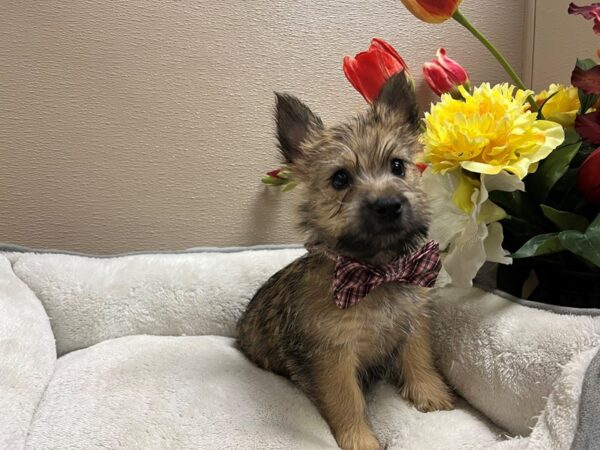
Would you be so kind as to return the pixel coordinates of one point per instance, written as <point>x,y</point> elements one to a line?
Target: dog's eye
<point>340,180</point>
<point>398,167</point>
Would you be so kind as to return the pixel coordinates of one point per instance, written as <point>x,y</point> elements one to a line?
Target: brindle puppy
<point>362,199</point>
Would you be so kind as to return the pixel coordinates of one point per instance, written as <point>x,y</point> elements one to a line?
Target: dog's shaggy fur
<point>372,212</point>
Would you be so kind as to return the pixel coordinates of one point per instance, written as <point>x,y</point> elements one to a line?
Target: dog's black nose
<point>386,208</point>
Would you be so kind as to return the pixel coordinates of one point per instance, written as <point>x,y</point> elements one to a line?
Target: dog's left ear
<point>398,97</point>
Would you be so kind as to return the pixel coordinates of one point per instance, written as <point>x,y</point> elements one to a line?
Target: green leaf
<point>565,220</point>
<point>541,107</point>
<point>565,195</point>
<point>586,63</point>
<point>584,151</point>
<point>542,244</point>
<point>571,137</point>
<point>586,245</point>
<point>288,187</point>
<point>273,181</point>
<point>550,170</point>
<point>517,232</point>
<point>521,205</point>
<point>586,101</point>
<point>566,182</point>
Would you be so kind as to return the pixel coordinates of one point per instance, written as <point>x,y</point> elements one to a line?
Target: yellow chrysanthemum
<point>490,131</point>
<point>562,107</point>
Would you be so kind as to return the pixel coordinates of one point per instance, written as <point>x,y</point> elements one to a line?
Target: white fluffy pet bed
<point>137,351</point>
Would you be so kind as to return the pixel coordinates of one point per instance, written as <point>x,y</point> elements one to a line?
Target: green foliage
<point>586,63</point>
<point>289,186</point>
<point>540,115</point>
<point>586,100</point>
<point>551,219</point>
<point>521,205</point>
<point>551,170</point>
<point>542,244</point>
<point>280,177</point>
<point>565,220</point>
<point>585,245</point>
<point>273,181</point>
<point>551,222</point>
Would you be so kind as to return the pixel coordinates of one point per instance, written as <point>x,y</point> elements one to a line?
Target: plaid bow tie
<point>353,280</point>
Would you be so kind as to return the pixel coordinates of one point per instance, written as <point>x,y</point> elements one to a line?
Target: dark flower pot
<point>562,287</point>
<point>567,288</point>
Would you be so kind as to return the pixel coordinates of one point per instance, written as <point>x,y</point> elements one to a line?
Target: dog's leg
<point>338,394</point>
<point>416,375</point>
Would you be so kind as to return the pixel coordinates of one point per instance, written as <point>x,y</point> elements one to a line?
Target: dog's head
<point>360,187</point>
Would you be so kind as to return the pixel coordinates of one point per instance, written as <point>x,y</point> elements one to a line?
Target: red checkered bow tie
<point>353,280</point>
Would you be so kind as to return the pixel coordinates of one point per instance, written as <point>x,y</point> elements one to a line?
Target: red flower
<point>591,12</point>
<point>422,167</point>
<point>443,74</point>
<point>278,177</point>
<point>586,80</point>
<point>369,70</point>
<point>588,127</point>
<point>588,178</point>
<point>432,11</point>
<point>274,173</point>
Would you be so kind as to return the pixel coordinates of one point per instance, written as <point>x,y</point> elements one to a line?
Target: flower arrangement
<point>513,176</point>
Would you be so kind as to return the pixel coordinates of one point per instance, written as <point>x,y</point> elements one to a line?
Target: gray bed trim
<point>10,248</point>
<point>566,310</point>
<point>587,433</point>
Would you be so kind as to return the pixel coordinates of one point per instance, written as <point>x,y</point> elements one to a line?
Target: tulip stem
<point>458,16</point>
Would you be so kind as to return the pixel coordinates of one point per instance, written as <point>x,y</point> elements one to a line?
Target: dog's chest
<point>376,325</point>
<point>372,328</point>
<point>385,317</point>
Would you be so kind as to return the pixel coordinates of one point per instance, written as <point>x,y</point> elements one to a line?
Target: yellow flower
<point>562,107</point>
<point>490,131</point>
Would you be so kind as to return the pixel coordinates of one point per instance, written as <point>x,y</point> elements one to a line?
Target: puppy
<point>342,316</point>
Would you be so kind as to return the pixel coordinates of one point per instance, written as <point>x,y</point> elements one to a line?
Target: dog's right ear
<point>295,122</point>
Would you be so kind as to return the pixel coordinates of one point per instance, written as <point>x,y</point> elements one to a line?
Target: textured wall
<point>559,40</point>
<point>145,125</point>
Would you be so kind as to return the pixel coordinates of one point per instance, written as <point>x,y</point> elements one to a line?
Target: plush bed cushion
<point>487,346</point>
<point>27,356</point>
<point>504,351</point>
<point>91,299</point>
<point>151,392</point>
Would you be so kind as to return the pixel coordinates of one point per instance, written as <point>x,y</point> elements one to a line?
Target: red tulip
<point>586,80</point>
<point>278,177</point>
<point>421,167</point>
<point>432,11</point>
<point>369,70</point>
<point>274,173</point>
<point>443,74</point>
<point>588,127</point>
<point>588,178</point>
<point>591,12</point>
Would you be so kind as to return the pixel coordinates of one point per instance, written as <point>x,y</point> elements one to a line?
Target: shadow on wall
<point>271,205</point>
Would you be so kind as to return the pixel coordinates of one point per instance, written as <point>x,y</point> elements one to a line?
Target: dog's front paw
<point>359,438</point>
<point>428,395</point>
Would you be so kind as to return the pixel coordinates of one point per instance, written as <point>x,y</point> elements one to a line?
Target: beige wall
<point>559,39</point>
<point>138,125</point>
